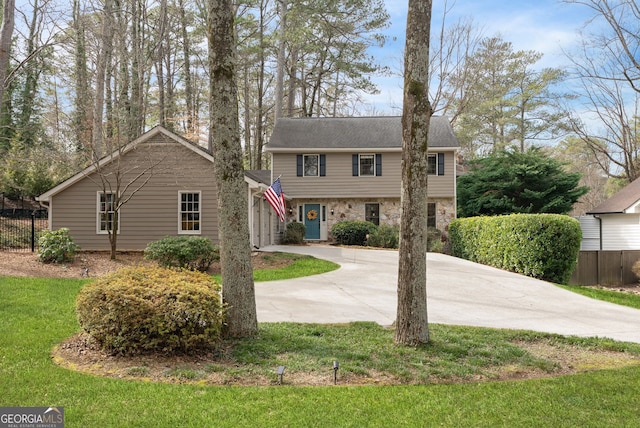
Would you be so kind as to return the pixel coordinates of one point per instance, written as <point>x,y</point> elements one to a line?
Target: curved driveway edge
<point>458,292</point>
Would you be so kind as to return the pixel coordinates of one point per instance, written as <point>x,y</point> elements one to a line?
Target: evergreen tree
<point>518,182</point>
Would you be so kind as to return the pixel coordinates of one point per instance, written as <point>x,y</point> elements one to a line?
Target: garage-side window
<point>190,213</point>
<point>108,216</point>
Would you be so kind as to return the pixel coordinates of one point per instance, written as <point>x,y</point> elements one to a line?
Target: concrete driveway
<point>459,292</point>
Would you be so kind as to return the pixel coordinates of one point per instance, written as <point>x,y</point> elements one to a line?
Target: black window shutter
<point>378,164</point>
<point>323,165</point>
<point>440,163</point>
<point>355,160</point>
<point>299,166</point>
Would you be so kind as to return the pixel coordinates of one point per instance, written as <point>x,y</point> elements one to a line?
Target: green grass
<point>302,266</point>
<point>36,314</point>
<point>625,299</point>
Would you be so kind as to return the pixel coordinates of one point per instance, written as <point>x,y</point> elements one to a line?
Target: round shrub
<point>353,232</point>
<point>56,246</point>
<point>138,310</point>
<point>294,234</point>
<point>384,236</point>
<point>187,252</point>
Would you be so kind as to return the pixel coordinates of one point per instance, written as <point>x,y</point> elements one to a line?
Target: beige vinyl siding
<point>340,183</point>
<point>152,213</point>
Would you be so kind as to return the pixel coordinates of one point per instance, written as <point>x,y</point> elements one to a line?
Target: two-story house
<point>335,169</point>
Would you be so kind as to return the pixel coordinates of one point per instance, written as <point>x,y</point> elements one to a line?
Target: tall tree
<point>507,102</point>
<point>224,131</point>
<point>411,319</point>
<point>607,67</point>
<point>327,44</point>
<point>509,182</point>
<point>6,34</point>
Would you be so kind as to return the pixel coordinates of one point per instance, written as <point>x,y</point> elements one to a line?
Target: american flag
<point>275,197</point>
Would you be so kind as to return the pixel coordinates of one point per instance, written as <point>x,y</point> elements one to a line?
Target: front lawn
<point>37,314</point>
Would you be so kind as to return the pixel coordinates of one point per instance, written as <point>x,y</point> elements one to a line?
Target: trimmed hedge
<point>139,310</point>
<point>187,252</point>
<point>543,246</point>
<point>353,232</point>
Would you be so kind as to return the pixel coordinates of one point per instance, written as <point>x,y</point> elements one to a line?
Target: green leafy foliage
<point>294,234</point>
<point>384,236</point>
<point>188,252</point>
<point>434,240</point>
<point>139,310</point>
<point>516,182</point>
<point>543,246</point>
<point>352,232</point>
<point>56,246</point>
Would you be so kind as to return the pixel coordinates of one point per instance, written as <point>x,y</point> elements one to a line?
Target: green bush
<point>384,236</point>
<point>543,246</point>
<point>56,246</point>
<point>188,252</point>
<point>138,310</point>
<point>353,232</point>
<point>294,234</point>
<point>434,240</point>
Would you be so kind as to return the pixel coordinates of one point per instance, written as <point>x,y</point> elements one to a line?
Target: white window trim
<point>304,169</point>
<point>373,156</point>
<point>99,230</point>
<point>435,155</point>
<point>189,232</point>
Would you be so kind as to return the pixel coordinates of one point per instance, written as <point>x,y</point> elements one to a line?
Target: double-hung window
<point>108,215</point>
<point>435,164</point>
<point>190,213</point>
<point>311,165</point>
<point>367,165</point>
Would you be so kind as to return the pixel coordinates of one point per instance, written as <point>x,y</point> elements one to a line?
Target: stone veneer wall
<point>353,209</point>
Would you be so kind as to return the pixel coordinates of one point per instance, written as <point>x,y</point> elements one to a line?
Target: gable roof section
<point>110,158</point>
<point>361,133</point>
<point>621,202</point>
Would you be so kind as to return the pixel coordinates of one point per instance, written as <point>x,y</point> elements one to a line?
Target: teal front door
<point>312,221</point>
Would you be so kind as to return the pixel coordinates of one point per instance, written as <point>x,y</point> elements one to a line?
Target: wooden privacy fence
<point>605,268</point>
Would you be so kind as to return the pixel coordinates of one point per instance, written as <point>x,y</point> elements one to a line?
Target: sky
<point>546,26</point>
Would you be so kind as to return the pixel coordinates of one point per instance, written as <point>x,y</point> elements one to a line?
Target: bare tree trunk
<point>235,252</point>
<point>82,118</point>
<point>281,60</point>
<point>188,85</point>
<point>6,34</point>
<point>411,320</point>
<point>162,108</point>
<point>106,40</point>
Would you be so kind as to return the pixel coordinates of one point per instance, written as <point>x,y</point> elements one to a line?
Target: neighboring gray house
<point>335,169</point>
<point>617,220</point>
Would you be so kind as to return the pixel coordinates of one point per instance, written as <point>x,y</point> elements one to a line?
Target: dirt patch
<point>81,353</point>
<point>98,263</point>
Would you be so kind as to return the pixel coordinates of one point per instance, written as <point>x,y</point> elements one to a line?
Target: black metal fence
<point>21,228</point>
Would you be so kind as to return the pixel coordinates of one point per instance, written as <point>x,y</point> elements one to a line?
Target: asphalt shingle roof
<point>375,132</point>
<point>621,201</point>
